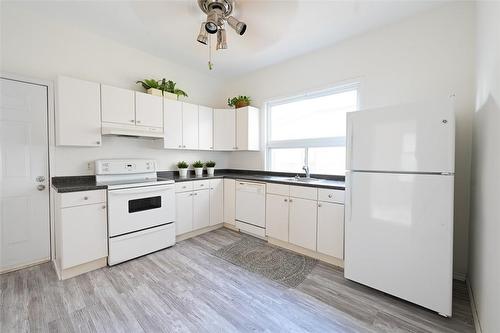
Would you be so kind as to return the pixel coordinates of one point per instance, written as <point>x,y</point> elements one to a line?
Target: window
<point>310,130</point>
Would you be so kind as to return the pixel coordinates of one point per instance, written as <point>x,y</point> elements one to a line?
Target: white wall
<point>34,47</point>
<point>484,272</point>
<point>425,56</point>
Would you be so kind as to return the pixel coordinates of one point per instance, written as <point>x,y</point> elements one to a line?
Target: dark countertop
<point>86,183</point>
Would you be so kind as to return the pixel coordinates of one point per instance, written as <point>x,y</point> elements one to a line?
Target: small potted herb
<point>239,101</point>
<point>170,91</point>
<point>210,167</point>
<point>183,169</point>
<point>152,87</point>
<point>198,168</point>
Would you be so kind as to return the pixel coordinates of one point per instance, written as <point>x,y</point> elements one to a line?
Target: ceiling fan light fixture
<point>221,39</point>
<point>238,26</point>
<point>214,20</point>
<point>202,36</point>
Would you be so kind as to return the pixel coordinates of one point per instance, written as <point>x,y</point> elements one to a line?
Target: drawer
<point>331,195</point>
<point>278,189</point>
<point>304,192</point>
<point>201,184</point>
<point>183,187</point>
<point>82,198</point>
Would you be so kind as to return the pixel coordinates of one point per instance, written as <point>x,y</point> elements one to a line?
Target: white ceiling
<point>277,30</point>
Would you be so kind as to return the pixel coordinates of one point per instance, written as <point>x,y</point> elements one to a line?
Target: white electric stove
<point>141,208</point>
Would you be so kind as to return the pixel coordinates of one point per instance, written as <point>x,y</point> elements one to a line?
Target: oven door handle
<point>140,190</point>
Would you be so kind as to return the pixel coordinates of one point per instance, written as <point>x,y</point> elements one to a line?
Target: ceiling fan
<point>218,14</point>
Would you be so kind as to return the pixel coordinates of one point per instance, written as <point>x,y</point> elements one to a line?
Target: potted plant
<point>152,87</point>
<point>170,91</point>
<point>183,169</point>
<point>198,168</point>
<point>210,167</point>
<point>239,101</point>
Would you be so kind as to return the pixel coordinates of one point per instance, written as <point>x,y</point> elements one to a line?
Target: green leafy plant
<point>197,164</point>
<point>210,164</point>
<point>182,165</point>
<point>169,86</point>
<point>239,101</point>
<point>149,83</point>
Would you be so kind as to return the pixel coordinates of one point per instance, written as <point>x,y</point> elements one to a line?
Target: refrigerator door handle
<point>349,144</point>
<point>348,204</point>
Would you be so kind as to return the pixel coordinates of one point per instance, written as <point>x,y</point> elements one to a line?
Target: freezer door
<point>399,236</point>
<point>416,137</point>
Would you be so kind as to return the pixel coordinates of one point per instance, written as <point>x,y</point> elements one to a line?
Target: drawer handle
<point>330,196</point>
<point>184,187</point>
<point>202,184</point>
<point>85,198</point>
<point>286,200</point>
<point>291,200</point>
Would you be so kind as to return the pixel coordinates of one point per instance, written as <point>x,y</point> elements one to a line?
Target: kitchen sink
<point>303,180</point>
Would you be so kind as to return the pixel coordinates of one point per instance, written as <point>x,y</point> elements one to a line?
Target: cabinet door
<point>189,126</point>
<point>331,229</point>
<point>229,201</point>
<point>148,110</point>
<point>184,212</point>
<point>247,128</point>
<point>201,209</point>
<point>224,129</point>
<point>302,222</point>
<point>78,113</point>
<point>206,128</point>
<point>84,234</point>
<point>118,105</point>
<point>216,201</point>
<point>277,217</point>
<point>172,126</point>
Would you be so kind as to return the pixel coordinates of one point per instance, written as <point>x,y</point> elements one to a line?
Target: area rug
<point>280,265</point>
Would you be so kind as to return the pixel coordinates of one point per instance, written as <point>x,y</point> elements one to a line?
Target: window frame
<point>338,141</point>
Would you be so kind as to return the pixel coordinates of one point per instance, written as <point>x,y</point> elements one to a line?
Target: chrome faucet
<point>306,169</point>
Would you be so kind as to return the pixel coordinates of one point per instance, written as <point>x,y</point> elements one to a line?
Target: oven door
<point>139,208</point>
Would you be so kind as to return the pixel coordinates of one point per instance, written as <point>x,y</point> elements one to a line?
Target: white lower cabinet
<point>277,217</point>
<point>229,201</point>
<point>184,212</point>
<point>201,209</point>
<point>80,232</point>
<point>216,201</point>
<point>302,227</point>
<point>331,229</point>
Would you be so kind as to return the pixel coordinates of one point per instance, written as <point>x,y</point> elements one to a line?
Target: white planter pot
<point>183,173</point>
<point>168,95</point>
<point>154,91</point>
<point>198,172</point>
<point>210,171</point>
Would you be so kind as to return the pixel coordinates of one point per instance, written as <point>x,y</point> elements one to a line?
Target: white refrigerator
<point>399,201</point>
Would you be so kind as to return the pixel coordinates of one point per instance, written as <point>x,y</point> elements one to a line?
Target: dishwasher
<point>251,207</point>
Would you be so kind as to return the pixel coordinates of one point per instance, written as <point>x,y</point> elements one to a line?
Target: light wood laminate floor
<point>187,289</point>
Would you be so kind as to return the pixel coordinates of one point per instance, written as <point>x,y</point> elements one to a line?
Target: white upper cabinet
<point>206,128</point>
<point>189,126</point>
<point>172,125</point>
<point>117,105</point>
<point>78,113</point>
<point>148,110</point>
<point>247,128</point>
<point>224,129</point>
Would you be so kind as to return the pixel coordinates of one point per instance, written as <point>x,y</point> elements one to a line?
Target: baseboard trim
<point>12,269</point>
<point>477,323</point>
<point>231,226</point>
<point>198,232</point>
<point>68,273</point>
<point>313,254</point>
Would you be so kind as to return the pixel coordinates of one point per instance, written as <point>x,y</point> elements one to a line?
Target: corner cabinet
<point>236,129</point>
<point>78,113</point>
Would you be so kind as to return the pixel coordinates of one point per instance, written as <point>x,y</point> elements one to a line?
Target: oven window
<point>138,205</point>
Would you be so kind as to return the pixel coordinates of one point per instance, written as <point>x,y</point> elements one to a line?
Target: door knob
<point>40,187</point>
<point>40,179</point>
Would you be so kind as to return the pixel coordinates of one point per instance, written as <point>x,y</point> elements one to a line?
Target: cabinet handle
<point>103,207</point>
<point>138,121</point>
<point>211,147</point>
<point>330,196</point>
<point>286,200</point>
<point>291,200</point>
<point>319,205</point>
<point>98,142</point>
<point>183,146</point>
<point>85,198</point>
<point>180,146</point>
<point>132,121</point>
<point>202,184</point>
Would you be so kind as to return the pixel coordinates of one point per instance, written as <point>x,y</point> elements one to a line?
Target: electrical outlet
<point>89,166</point>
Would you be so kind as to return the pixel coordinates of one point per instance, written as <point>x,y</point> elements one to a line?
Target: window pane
<point>320,117</point>
<point>287,160</point>
<point>327,160</point>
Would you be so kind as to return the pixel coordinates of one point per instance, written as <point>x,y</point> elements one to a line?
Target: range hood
<point>131,130</point>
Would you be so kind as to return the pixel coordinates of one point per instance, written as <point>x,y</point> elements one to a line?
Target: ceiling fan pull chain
<point>210,64</point>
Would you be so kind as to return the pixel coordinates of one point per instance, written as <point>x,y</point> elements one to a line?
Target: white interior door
<point>24,195</point>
